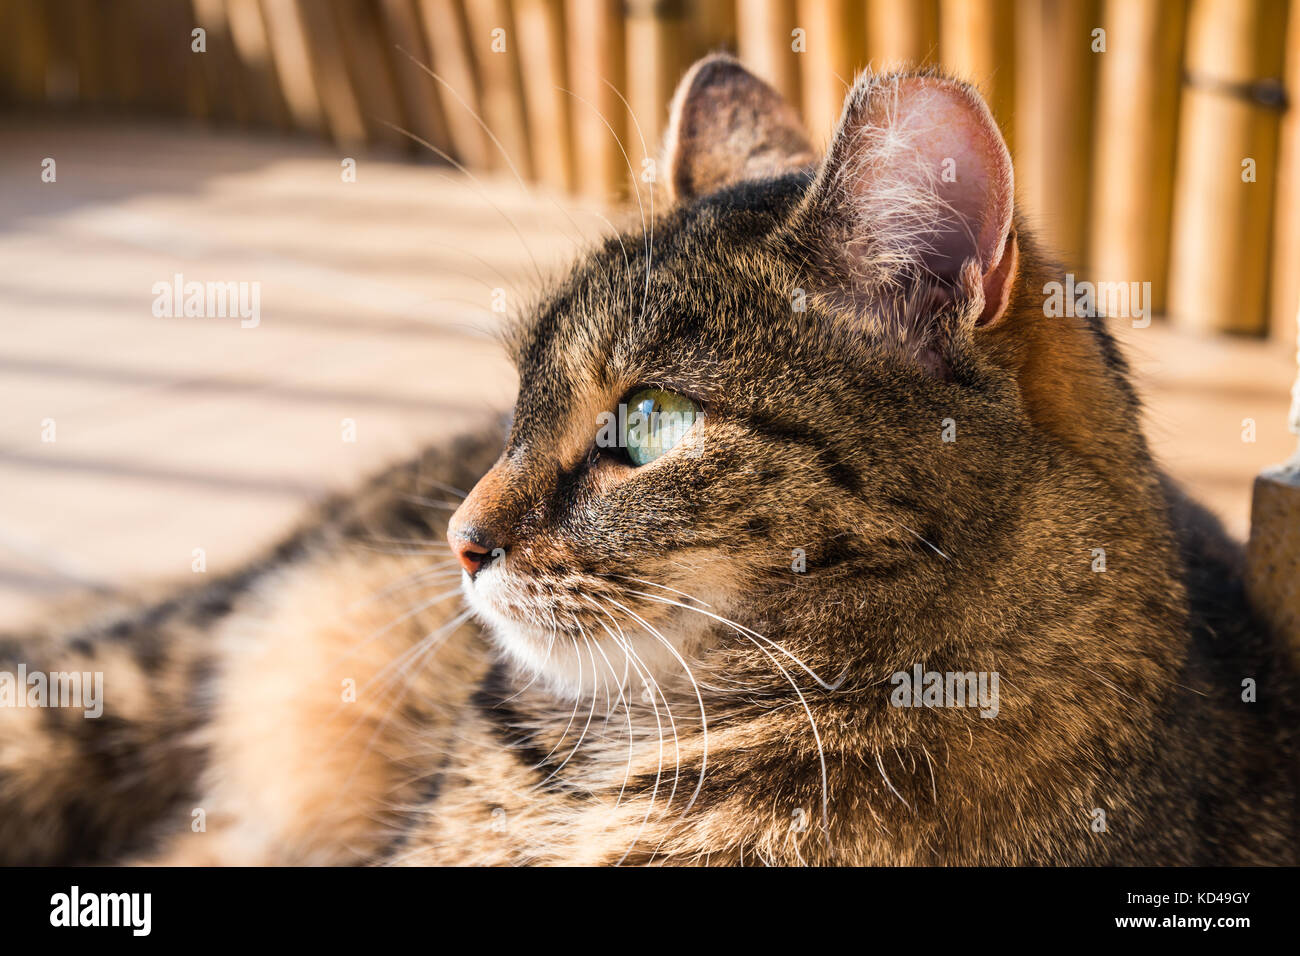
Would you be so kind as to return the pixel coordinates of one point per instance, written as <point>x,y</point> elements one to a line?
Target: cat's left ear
<point>726,125</point>
<point>913,206</point>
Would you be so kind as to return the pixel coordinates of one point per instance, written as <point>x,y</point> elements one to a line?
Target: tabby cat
<point>804,439</point>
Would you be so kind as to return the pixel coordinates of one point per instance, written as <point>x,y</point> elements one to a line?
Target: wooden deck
<point>179,433</point>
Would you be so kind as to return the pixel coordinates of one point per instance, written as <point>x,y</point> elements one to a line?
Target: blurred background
<point>394,174</point>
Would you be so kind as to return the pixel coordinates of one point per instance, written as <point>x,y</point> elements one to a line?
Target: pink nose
<point>471,556</point>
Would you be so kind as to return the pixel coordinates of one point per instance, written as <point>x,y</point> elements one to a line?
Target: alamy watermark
<point>84,689</point>
<point>133,911</point>
<point>208,300</point>
<point>1070,299</point>
<point>919,688</point>
<point>632,426</point>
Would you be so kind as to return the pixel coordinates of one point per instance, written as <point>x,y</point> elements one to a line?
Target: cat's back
<point>1239,703</point>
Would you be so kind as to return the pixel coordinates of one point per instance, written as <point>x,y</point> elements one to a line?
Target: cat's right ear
<point>726,125</point>
<point>917,186</point>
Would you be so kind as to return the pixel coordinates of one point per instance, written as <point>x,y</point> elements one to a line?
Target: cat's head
<point>741,413</point>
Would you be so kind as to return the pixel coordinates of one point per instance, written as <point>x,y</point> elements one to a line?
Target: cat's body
<point>694,660</point>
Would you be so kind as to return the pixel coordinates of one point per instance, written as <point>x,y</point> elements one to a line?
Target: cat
<point>791,470</point>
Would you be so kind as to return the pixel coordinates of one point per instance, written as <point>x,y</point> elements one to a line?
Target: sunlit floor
<point>171,434</point>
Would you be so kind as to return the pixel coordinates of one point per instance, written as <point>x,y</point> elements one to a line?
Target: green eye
<point>655,422</point>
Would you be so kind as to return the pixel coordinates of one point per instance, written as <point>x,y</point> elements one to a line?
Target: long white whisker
<point>924,541</point>
<point>704,720</point>
<point>672,723</point>
<point>889,783</point>
<point>752,633</point>
<point>631,174</point>
<point>398,661</point>
<point>590,714</point>
<point>648,234</point>
<point>478,185</point>
<point>428,575</point>
<point>746,632</point>
<point>472,112</point>
<point>418,609</point>
<point>630,655</point>
<point>691,597</point>
<point>627,710</point>
<point>572,717</point>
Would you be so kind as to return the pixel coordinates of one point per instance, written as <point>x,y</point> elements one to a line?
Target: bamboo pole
<point>222,72</point>
<point>125,77</point>
<point>764,37</point>
<point>977,44</point>
<point>92,53</point>
<point>370,74</point>
<point>902,33</point>
<point>542,59</point>
<point>287,38</point>
<point>656,59</point>
<point>458,87</point>
<point>29,49</point>
<point>1219,259</point>
<point>495,44</point>
<point>329,69</point>
<point>62,68</point>
<point>1055,75</point>
<point>252,49</point>
<point>8,53</point>
<point>836,48</point>
<point>595,44</point>
<point>712,28</point>
<point>1136,136</point>
<point>1284,297</point>
<point>170,72</point>
<point>400,23</point>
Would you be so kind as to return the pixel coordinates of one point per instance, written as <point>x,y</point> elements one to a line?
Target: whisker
<point>419,608</point>
<point>443,486</point>
<point>477,183</point>
<point>628,577</point>
<point>631,656</point>
<point>403,657</point>
<point>647,236</point>
<point>741,628</point>
<point>889,783</point>
<point>426,575</point>
<point>632,180</point>
<point>812,723</point>
<point>704,720</point>
<point>431,503</point>
<point>471,111</point>
<point>591,714</point>
<point>627,710</point>
<point>486,129</point>
<point>925,542</point>
<point>572,717</point>
<point>677,761</point>
<point>429,643</point>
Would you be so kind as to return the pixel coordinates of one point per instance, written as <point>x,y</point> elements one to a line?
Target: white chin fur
<point>571,665</point>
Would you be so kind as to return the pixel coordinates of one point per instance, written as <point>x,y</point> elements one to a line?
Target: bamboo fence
<point>1155,140</point>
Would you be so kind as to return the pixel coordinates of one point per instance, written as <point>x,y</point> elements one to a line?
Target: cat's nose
<point>473,550</point>
<point>480,529</point>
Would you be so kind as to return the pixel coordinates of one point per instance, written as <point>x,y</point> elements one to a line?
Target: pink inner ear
<point>960,155</point>
<point>937,138</point>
